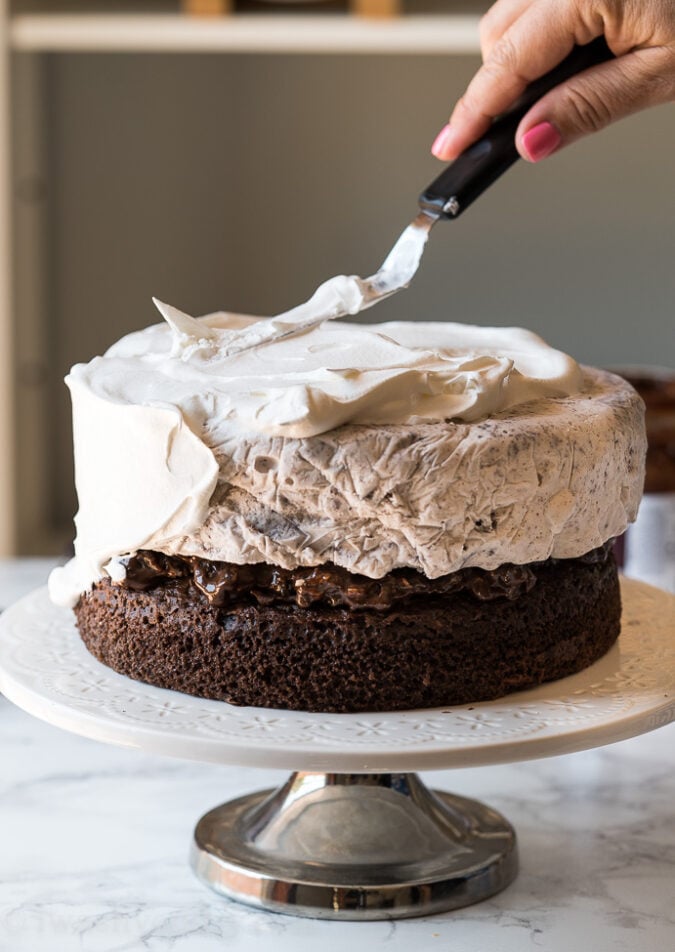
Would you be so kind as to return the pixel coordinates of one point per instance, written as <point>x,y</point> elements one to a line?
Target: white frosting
<point>327,376</point>
<point>184,445</point>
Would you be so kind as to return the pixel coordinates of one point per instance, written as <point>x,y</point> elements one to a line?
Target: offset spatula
<point>447,197</point>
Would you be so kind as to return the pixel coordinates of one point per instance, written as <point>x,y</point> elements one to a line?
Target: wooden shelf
<point>173,33</point>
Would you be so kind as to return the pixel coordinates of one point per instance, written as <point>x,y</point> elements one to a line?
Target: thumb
<point>591,100</point>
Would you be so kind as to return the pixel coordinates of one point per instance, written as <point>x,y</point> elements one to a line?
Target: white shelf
<point>173,33</point>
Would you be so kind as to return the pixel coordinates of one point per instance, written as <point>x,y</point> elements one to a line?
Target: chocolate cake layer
<point>433,649</point>
<point>658,393</point>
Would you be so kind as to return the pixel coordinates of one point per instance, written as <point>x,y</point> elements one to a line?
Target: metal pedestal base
<point>355,846</point>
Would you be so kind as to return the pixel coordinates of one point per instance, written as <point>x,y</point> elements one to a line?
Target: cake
<point>354,518</point>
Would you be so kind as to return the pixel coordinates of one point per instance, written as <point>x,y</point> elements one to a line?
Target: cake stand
<point>353,834</point>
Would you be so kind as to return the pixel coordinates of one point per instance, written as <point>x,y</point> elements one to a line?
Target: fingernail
<point>442,143</point>
<point>540,141</point>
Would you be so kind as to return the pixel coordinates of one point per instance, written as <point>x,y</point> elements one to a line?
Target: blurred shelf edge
<point>321,33</point>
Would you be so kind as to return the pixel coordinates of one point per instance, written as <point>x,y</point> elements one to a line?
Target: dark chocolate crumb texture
<point>323,639</point>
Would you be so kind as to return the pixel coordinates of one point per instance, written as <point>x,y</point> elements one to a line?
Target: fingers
<point>497,20</point>
<point>516,58</point>
<point>593,99</point>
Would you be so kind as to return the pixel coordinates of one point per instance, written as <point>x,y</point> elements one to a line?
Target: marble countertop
<point>94,843</point>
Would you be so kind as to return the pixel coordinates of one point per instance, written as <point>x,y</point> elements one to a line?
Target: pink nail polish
<point>442,142</point>
<point>540,141</point>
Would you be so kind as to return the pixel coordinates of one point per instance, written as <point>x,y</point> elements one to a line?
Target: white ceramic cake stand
<point>365,840</point>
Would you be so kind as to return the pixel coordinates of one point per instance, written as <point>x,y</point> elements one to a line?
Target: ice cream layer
<point>424,445</point>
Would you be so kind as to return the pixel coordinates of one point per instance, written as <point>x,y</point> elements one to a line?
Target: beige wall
<point>241,182</point>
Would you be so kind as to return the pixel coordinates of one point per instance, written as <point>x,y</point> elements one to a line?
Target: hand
<point>523,39</point>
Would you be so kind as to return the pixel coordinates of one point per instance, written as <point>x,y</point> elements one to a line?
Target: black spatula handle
<point>484,161</point>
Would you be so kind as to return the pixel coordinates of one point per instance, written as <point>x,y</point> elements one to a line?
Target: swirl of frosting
<point>332,374</point>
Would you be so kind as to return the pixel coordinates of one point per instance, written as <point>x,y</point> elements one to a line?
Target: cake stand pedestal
<point>348,846</point>
<point>352,835</point>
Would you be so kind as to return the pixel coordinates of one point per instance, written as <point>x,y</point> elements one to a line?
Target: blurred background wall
<point>240,182</point>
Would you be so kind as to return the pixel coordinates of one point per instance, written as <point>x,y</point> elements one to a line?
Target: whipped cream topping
<point>326,376</point>
<point>187,444</point>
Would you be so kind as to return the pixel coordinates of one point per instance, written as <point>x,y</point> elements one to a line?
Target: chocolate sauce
<point>224,584</point>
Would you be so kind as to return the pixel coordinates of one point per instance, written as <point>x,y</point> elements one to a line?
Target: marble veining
<point>95,838</point>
